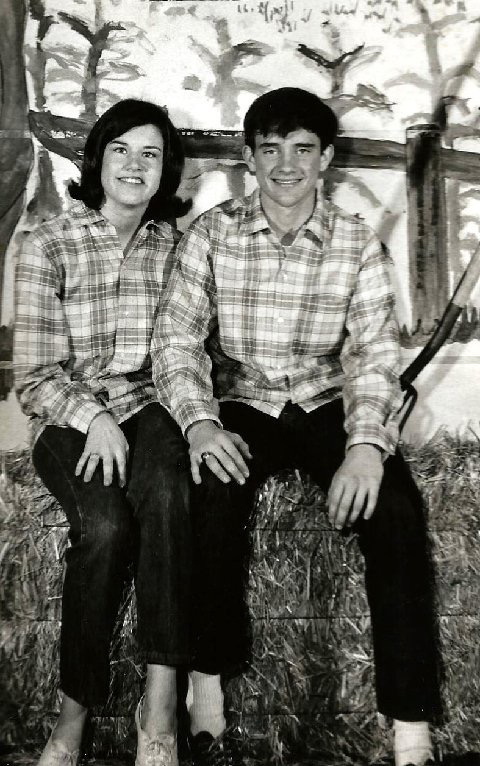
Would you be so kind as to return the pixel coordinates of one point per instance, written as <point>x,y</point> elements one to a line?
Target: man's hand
<point>355,486</point>
<point>105,441</point>
<point>222,451</point>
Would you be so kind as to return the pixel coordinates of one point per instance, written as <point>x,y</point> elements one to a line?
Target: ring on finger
<point>204,455</point>
<point>94,455</point>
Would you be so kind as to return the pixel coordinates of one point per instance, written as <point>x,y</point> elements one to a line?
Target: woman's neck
<point>125,222</point>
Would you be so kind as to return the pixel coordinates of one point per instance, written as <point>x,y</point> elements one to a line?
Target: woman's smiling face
<point>132,169</point>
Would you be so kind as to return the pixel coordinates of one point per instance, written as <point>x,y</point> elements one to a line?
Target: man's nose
<point>286,161</point>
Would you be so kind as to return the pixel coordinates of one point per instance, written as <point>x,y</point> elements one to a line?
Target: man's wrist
<point>194,427</point>
<point>366,446</point>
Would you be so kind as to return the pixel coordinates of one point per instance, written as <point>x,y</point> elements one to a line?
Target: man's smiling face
<point>287,168</point>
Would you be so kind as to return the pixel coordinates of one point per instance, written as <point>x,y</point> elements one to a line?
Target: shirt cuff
<point>84,414</point>
<point>188,414</point>
<point>383,437</point>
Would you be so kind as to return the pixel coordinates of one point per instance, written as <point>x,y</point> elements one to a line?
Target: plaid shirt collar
<point>318,224</point>
<point>86,216</point>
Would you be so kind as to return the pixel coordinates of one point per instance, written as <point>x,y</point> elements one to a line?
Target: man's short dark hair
<point>120,118</point>
<point>285,110</point>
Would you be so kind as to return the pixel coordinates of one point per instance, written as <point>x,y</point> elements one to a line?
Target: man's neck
<point>287,219</point>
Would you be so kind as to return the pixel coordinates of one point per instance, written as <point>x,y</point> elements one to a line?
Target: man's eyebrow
<point>300,144</point>
<point>269,143</point>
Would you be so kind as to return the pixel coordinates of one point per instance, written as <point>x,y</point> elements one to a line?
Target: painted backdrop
<point>399,73</point>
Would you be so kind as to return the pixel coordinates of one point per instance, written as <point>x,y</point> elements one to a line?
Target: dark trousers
<point>150,522</point>
<point>393,542</point>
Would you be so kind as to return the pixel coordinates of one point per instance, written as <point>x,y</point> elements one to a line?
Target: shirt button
<point>284,277</point>
<point>280,320</point>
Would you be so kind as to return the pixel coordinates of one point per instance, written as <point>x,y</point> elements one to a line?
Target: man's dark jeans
<point>394,543</point>
<point>181,557</point>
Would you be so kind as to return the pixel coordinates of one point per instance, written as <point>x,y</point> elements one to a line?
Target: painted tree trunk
<point>15,144</point>
<point>427,236</point>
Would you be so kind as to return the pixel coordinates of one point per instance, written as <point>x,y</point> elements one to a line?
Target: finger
<point>81,462</point>
<point>107,470</point>
<point>91,467</point>
<point>343,507</point>
<point>372,501</point>
<point>216,467</point>
<point>233,462</point>
<point>121,460</point>
<point>359,499</point>
<point>195,463</point>
<point>334,498</point>
<point>241,445</point>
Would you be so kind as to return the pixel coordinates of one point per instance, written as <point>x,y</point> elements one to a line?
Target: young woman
<point>88,284</point>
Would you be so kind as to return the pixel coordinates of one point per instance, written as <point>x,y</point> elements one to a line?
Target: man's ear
<point>249,158</point>
<point>326,157</point>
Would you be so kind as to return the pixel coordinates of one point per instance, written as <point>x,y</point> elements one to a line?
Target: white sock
<point>412,743</point>
<point>206,711</point>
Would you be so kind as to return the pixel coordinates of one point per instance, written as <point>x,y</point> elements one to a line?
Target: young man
<point>281,306</point>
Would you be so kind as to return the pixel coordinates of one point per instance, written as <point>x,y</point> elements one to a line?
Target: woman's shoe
<point>160,751</point>
<point>56,754</point>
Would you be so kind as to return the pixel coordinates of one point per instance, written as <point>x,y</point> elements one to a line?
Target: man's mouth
<point>286,182</point>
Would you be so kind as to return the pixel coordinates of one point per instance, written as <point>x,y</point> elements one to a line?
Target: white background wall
<point>206,61</point>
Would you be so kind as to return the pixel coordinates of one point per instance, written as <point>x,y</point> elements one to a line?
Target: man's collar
<point>319,222</point>
<point>255,219</point>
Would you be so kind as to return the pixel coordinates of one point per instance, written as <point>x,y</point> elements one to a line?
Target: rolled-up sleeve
<point>41,345</point>
<point>371,355</point>
<point>187,315</point>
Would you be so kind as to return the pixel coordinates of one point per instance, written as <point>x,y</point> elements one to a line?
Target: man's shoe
<point>224,750</point>
<point>55,754</point>
<point>427,763</point>
<point>161,751</point>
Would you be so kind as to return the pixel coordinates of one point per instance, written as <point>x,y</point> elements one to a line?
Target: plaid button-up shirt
<point>309,322</point>
<point>84,318</point>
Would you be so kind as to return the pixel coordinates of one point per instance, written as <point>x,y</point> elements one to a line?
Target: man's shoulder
<point>337,216</point>
<point>223,214</point>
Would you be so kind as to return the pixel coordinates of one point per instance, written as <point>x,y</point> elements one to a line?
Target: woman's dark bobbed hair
<point>285,110</point>
<point>120,118</point>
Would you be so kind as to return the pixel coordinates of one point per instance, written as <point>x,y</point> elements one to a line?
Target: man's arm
<point>371,395</point>
<point>181,366</point>
<point>41,351</point>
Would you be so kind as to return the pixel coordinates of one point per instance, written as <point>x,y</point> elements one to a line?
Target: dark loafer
<point>224,750</point>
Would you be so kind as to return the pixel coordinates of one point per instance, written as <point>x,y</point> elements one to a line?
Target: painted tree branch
<point>15,147</point>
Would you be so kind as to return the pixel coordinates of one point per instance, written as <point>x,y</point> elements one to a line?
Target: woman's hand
<point>105,442</point>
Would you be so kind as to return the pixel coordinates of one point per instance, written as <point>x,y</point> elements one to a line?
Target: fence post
<point>426,221</point>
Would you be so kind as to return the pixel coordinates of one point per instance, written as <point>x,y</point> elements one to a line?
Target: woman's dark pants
<point>393,542</point>
<point>151,524</point>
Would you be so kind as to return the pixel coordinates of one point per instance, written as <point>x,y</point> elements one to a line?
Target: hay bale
<point>309,693</point>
